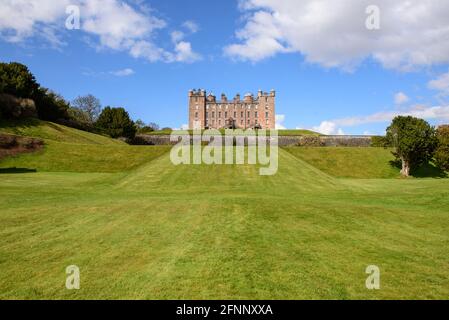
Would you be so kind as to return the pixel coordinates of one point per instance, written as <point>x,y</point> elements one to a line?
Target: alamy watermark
<point>72,281</point>
<point>233,147</point>
<point>372,22</point>
<point>373,280</point>
<point>73,21</point>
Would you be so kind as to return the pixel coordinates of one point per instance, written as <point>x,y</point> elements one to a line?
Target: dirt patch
<point>11,145</point>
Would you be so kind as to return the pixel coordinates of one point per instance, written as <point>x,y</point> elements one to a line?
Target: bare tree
<point>88,104</point>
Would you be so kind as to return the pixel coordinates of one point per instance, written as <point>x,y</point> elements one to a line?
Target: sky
<point>338,67</point>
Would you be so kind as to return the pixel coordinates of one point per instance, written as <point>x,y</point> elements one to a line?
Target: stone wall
<point>284,141</point>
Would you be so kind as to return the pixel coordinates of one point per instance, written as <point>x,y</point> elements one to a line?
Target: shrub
<point>116,123</point>
<point>16,108</point>
<point>379,141</point>
<point>442,151</point>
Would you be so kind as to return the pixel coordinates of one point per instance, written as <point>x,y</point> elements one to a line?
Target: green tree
<point>50,105</point>
<point>116,123</point>
<point>17,80</point>
<point>89,105</point>
<point>442,151</point>
<point>414,141</point>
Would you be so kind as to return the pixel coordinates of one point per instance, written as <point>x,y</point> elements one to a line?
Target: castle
<point>205,112</point>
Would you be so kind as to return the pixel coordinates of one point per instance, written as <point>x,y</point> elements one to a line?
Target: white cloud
<point>438,113</point>
<point>441,83</point>
<point>177,36</point>
<point>333,33</point>
<point>191,25</point>
<point>401,98</point>
<point>184,53</point>
<point>328,128</point>
<point>116,24</point>
<point>123,73</point>
<point>280,118</point>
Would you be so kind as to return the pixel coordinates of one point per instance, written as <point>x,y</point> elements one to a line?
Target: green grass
<point>159,231</point>
<point>55,132</point>
<point>349,162</point>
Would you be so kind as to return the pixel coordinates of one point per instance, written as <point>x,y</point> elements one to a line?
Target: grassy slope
<point>72,150</point>
<point>55,132</point>
<point>349,162</point>
<point>216,232</point>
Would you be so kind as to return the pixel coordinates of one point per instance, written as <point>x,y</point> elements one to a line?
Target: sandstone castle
<point>205,112</point>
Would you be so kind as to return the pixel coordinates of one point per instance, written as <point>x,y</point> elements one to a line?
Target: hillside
<point>360,163</point>
<point>51,131</point>
<point>71,150</point>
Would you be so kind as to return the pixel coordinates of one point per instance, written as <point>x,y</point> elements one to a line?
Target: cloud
<point>441,83</point>
<point>177,36</point>
<point>184,53</point>
<point>401,98</point>
<point>438,113</point>
<point>328,128</point>
<point>123,73</point>
<point>191,25</point>
<point>333,33</point>
<point>115,24</point>
<point>280,118</point>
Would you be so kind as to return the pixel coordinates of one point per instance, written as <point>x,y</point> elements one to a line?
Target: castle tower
<point>197,106</point>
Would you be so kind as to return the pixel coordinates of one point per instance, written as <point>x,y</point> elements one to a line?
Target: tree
<point>139,124</point>
<point>154,126</point>
<point>116,123</point>
<point>414,141</point>
<point>50,105</point>
<point>442,151</point>
<point>88,104</point>
<point>17,80</point>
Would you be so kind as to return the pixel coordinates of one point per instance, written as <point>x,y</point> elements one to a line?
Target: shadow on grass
<point>16,170</point>
<point>428,170</point>
<point>30,122</point>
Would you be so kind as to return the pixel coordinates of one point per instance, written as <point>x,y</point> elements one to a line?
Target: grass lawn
<point>152,230</point>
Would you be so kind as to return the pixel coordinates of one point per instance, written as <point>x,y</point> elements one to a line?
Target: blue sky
<point>330,72</point>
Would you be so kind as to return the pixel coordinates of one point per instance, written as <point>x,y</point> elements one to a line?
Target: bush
<point>116,123</point>
<point>379,141</point>
<point>442,151</point>
<point>16,108</point>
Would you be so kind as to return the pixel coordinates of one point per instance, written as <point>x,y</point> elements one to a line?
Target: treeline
<point>416,143</point>
<point>21,96</point>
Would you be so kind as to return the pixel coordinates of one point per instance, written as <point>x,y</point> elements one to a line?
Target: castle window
<point>207,114</point>
<point>241,122</point>
<point>241,114</point>
<point>213,114</point>
<point>267,121</point>
<point>197,107</point>
<point>248,121</point>
<point>249,114</point>
<point>196,115</point>
<point>266,114</point>
<point>219,114</point>
<point>256,114</point>
<point>266,107</point>
<point>219,122</point>
<point>235,114</point>
<point>226,114</point>
<point>256,121</point>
